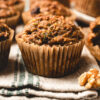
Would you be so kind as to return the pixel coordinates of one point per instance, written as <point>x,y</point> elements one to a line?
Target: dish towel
<point>16,81</point>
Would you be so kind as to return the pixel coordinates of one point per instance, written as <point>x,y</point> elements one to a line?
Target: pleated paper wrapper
<point>50,61</point>
<point>4,50</point>
<point>89,7</point>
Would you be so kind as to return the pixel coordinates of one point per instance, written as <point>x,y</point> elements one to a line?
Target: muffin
<point>18,5</point>
<point>6,37</point>
<point>93,39</point>
<point>49,7</point>
<point>89,7</point>
<point>9,16</point>
<point>50,45</point>
<point>64,2</point>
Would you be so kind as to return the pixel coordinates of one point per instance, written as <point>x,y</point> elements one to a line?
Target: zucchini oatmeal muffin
<point>89,7</point>
<point>48,7</point>
<point>18,5</point>
<point>50,45</point>
<point>93,39</point>
<point>9,16</point>
<point>6,37</point>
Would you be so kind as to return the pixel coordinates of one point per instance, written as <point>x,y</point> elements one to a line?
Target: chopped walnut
<point>90,79</point>
<point>83,79</point>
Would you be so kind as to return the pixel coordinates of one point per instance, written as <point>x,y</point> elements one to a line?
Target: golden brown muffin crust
<point>52,30</point>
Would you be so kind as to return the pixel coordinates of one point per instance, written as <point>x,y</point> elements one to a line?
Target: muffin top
<point>50,7</point>
<point>4,32</point>
<point>95,32</point>
<point>6,12</point>
<point>51,30</point>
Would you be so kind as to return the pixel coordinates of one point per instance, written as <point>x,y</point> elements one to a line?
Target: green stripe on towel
<point>15,71</point>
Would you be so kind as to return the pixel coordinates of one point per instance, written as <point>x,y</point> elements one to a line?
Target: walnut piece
<point>90,79</point>
<point>83,79</point>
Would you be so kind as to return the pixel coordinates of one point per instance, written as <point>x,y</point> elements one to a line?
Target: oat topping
<point>52,30</point>
<point>90,79</point>
<point>4,32</point>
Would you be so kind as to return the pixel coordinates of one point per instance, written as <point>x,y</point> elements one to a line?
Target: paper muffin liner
<point>11,21</point>
<point>89,7</point>
<point>5,49</point>
<point>50,61</point>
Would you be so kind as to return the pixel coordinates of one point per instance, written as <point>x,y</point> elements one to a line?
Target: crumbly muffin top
<point>7,12</point>
<point>51,30</point>
<point>4,32</point>
<point>50,7</point>
<point>95,31</point>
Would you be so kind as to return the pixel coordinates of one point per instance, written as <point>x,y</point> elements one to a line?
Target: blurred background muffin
<point>89,7</point>
<point>18,5</point>
<point>64,2</point>
<point>48,7</point>
<point>93,39</point>
<point>9,16</point>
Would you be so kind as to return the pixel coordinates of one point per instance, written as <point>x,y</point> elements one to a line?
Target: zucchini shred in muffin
<point>93,39</point>
<point>48,7</point>
<point>9,16</point>
<point>50,45</point>
<point>6,37</point>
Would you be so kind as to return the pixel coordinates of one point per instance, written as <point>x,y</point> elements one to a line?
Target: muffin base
<point>89,7</point>
<point>4,50</point>
<point>50,61</point>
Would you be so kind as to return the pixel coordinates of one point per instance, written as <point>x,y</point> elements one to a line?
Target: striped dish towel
<point>16,82</point>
